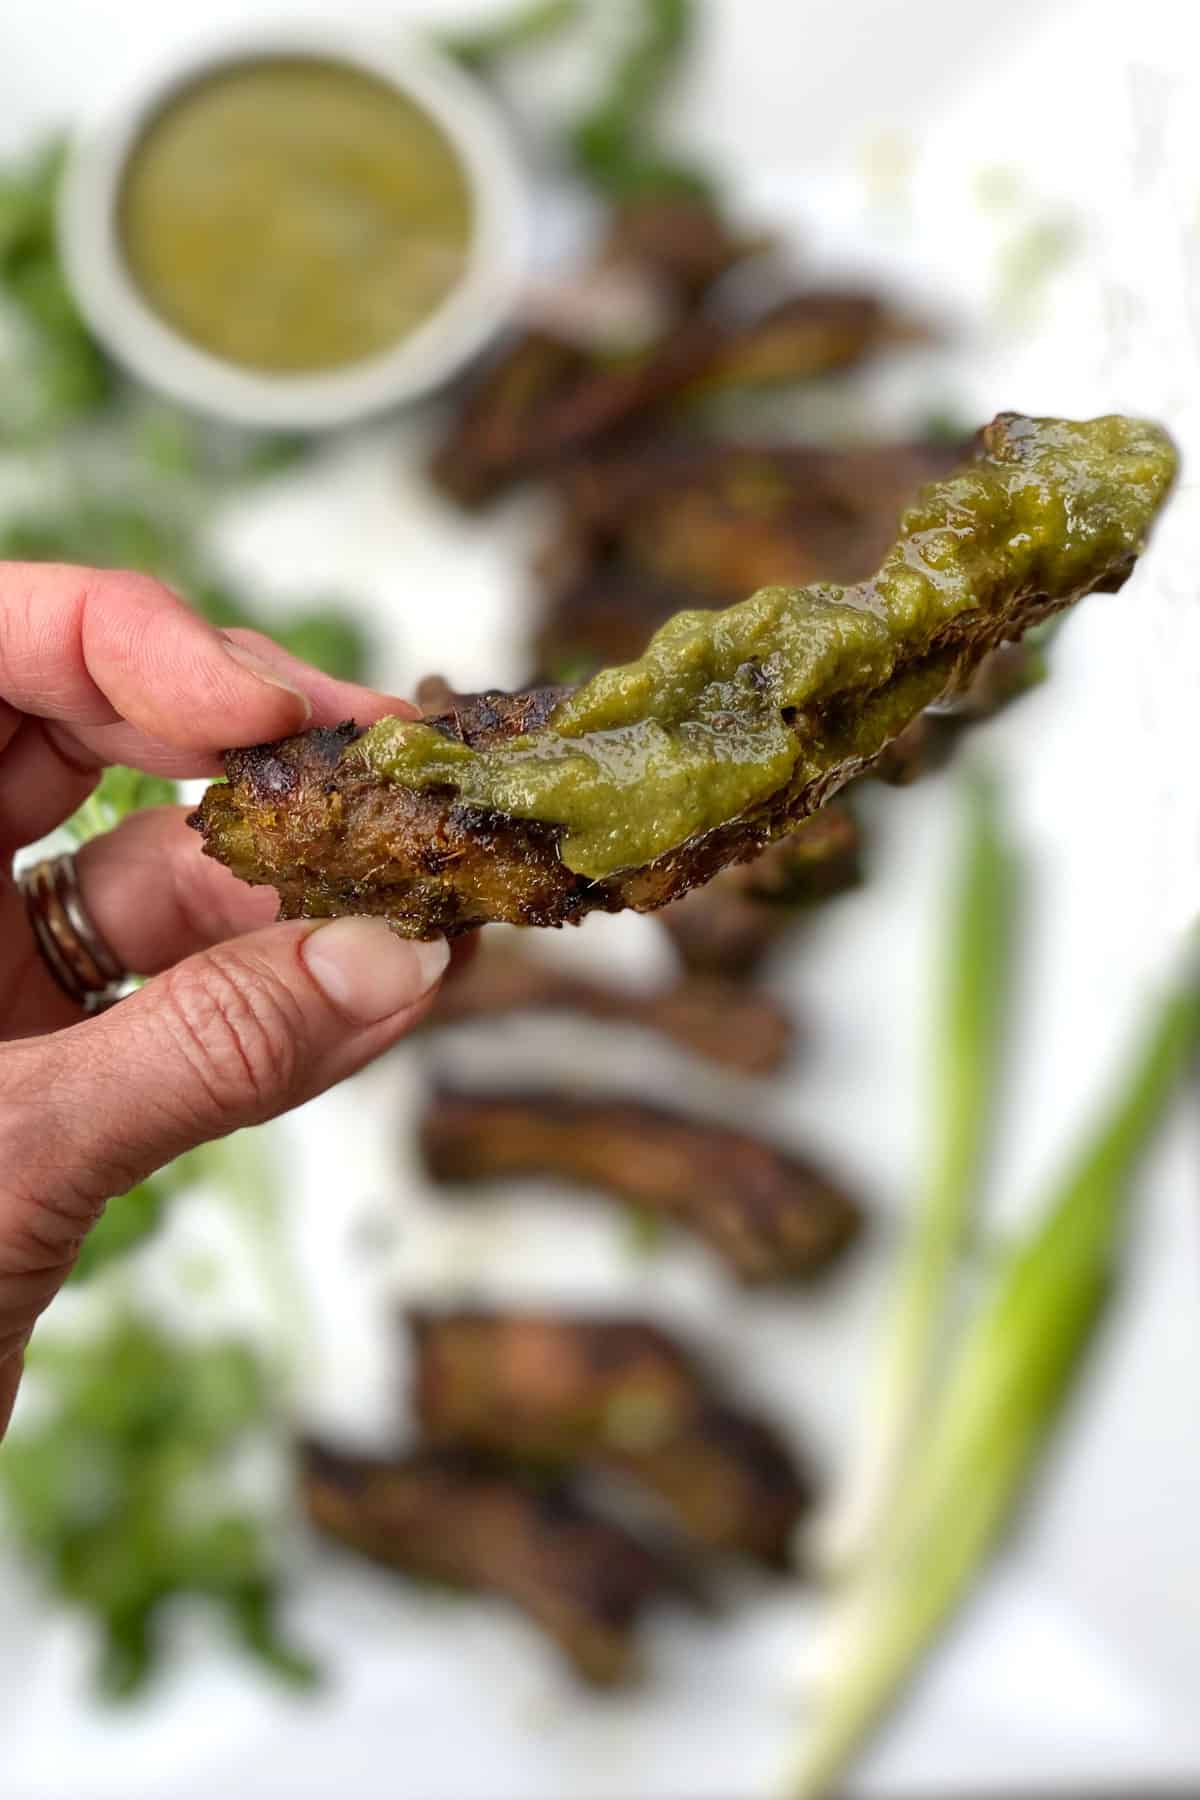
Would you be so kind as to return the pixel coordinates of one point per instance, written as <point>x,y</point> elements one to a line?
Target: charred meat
<point>535,809</point>
<point>446,1516</point>
<point>618,1394</point>
<point>767,1214</point>
<point>547,398</point>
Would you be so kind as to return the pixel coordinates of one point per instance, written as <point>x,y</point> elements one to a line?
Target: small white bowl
<point>481,301</point>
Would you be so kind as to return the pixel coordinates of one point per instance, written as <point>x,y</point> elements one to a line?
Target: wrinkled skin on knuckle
<point>241,1034</point>
<point>62,1148</point>
<point>10,1380</point>
<point>42,1225</point>
<point>41,1239</point>
<point>45,1208</point>
<point>25,1293</point>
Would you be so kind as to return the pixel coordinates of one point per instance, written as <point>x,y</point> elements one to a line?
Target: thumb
<point>225,1039</point>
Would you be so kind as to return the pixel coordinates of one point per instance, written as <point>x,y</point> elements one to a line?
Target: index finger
<point>99,667</point>
<point>330,701</point>
<point>88,648</point>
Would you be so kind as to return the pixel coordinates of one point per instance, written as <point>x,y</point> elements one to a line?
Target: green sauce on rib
<point>728,709</point>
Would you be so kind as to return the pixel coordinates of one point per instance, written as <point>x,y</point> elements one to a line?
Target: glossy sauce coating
<point>703,727</point>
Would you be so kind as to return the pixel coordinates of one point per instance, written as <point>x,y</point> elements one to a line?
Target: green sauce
<point>699,730</point>
<point>294,215</point>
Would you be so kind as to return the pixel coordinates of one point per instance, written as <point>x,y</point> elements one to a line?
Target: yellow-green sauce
<point>697,730</point>
<point>294,214</point>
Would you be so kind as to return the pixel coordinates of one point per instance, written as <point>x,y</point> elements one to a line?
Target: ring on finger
<point>71,946</point>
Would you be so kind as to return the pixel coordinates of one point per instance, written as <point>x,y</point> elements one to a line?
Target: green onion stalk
<point>967,1051</point>
<point>1000,1400</point>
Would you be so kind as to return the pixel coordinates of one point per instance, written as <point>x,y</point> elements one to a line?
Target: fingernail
<point>369,973</point>
<point>259,667</point>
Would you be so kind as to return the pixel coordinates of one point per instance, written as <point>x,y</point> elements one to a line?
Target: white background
<point>1078,1660</point>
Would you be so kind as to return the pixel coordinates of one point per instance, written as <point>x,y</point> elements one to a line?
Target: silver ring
<point>71,946</point>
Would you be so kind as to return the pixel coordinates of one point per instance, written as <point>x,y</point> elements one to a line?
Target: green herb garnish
<point>525,27</point>
<point>56,373</point>
<point>120,1490</point>
<point>613,144</point>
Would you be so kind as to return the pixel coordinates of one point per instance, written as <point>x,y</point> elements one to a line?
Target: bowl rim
<point>477,305</point>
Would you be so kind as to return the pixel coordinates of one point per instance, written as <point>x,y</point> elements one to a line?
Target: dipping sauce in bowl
<point>294,214</point>
<point>298,226</point>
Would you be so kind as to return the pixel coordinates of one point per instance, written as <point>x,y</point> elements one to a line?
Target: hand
<point>243,1019</point>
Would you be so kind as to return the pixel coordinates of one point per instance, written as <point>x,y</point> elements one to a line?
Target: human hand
<point>243,1019</point>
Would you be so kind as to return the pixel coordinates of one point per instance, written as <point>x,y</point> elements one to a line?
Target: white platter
<point>1077,1662</point>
